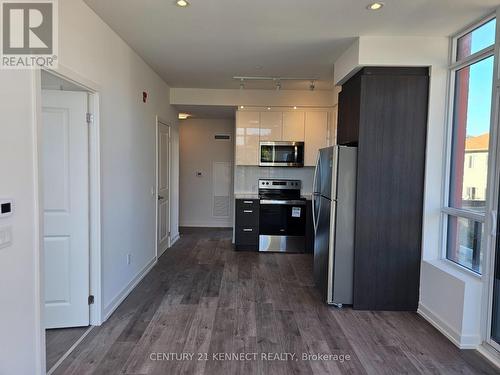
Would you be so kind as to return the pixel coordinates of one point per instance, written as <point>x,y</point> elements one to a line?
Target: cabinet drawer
<point>247,235</point>
<point>247,214</point>
<point>247,204</point>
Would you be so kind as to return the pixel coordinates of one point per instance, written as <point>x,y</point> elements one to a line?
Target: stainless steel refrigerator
<point>334,203</point>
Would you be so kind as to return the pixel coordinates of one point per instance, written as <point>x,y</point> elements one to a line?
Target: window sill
<point>455,270</point>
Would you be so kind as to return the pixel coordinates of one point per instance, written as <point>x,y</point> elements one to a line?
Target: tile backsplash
<point>246,177</point>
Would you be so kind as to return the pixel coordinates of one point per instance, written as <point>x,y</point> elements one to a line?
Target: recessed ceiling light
<point>375,6</point>
<point>184,116</point>
<point>242,106</point>
<point>182,3</point>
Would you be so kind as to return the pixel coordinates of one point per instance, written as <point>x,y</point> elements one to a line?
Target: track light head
<point>312,86</point>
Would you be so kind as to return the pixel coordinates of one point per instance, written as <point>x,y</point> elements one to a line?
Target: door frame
<point>159,121</point>
<point>95,274</point>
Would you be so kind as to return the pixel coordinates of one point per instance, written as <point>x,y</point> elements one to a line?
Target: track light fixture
<point>278,81</point>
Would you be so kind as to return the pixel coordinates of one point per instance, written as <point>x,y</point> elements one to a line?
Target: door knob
<point>160,197</point>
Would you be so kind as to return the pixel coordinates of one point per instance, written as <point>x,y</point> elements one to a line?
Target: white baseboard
<point>461,341</point>
<point>174,239</point>
<point>490,354</point>
<point>113,305</point>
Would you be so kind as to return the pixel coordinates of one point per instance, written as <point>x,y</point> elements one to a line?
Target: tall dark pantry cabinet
<point>384,112</point>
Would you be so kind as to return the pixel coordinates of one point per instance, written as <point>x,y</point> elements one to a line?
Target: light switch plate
<point>5,237</point>
<point>6,207</point>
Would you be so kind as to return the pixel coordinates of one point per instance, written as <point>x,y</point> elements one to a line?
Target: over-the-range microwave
<point>281,154</point>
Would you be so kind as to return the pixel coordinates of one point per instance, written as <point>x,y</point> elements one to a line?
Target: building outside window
<point>472,84</point>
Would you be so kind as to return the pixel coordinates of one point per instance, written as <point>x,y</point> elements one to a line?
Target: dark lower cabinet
<point>391,128</point>
<point>246,231</point>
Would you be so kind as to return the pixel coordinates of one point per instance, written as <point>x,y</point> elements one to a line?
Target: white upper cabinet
<point>253,126</point>
<point>293,126</point>
<point>271,126</point>
<point>316,136</point>
<point>247,138</point>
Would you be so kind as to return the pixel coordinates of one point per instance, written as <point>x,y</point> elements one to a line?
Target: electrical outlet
<point>129,258</point>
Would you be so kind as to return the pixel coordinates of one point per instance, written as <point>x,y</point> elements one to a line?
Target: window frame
<point>446,210</point>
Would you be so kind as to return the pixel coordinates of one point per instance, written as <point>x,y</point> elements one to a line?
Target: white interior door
<point>66,208</point>
<point>163,187</point>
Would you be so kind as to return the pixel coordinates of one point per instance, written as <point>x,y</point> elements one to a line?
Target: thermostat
<point>6,207</point>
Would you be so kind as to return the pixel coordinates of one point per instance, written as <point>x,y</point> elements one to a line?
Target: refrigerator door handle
<point>319,213</point>
<point>316,174</point>
<point>315,193</point>
<point>314,196</point>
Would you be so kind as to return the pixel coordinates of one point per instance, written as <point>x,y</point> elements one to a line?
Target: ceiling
<point>209,42</point>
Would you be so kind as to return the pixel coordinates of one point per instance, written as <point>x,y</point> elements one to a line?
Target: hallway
<point>203,297</point>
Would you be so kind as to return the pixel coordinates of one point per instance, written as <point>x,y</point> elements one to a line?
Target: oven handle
<point>283,202</point>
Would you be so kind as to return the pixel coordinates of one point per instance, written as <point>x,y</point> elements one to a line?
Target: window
<point>478,39</point>
<point>472,87</point>
<point>471,161</point>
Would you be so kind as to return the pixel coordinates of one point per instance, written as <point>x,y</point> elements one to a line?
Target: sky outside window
<point>479,103</point>
<point>481,82</point>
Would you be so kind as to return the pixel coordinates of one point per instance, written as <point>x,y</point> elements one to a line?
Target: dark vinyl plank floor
<point>207,301</point>
<point>59,341</point>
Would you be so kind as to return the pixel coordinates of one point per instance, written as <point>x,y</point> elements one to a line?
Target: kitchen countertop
<point>256,196</point>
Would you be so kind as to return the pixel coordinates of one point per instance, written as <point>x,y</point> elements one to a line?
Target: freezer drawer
<point>322,247</point>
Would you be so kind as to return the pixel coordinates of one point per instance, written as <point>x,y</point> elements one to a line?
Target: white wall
<point>198,151</point>
<point>20,347</point>
<point>451,301</point>
<point>347,64</point>
<point>259,98</point>
<point>91,49</point>
<point>449,297</point>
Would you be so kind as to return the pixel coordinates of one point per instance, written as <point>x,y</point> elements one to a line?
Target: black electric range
<point>282,216</point>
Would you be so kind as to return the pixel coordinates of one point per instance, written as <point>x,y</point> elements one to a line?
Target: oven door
<point>282,225</point>
<point>281,154</point>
